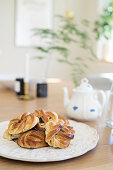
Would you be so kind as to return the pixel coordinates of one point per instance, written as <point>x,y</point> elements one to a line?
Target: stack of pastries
<point>40,129</point>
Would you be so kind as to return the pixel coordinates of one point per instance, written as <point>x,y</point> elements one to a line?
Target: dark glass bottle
<point>19,86</point>
<point>42,89</point>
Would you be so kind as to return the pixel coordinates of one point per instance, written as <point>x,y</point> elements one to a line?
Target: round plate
<point>86,138</point>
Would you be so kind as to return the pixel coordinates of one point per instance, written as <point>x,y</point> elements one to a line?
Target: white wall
<point>12,59</point>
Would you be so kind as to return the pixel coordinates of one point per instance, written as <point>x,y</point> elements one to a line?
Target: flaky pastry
<point>44,117</point>
<point>58,135</point>
<point>22,123</point>
<point>63,120</point>
<point>9,136</point>
<point>40,129</point>
<point>32,139</point>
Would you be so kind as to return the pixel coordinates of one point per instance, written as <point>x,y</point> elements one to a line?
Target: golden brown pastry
<point>44,117</point>
<point>8,136</point>
<point>32,139</point>
<point>63,120</point>
<point>22,123</point>
<point>40,129</point>
<point>70,128</point>
<point>22,116</point>
<point>58,135</point>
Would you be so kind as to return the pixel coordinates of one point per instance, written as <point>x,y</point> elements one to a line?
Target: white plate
<point>86,138</point>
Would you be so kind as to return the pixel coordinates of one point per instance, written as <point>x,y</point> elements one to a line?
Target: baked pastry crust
<point>44,117</point>
<point>32,139</point>
<point>22,123</point>
<point>63,120</point>
<point>58,135</point>
<point>40,129</point>
<point>9,136</point>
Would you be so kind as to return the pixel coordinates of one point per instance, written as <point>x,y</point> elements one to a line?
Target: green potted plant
<point>57,42</point>
<point>103,28</point>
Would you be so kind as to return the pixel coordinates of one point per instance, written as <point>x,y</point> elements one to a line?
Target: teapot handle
<point>103,96</point>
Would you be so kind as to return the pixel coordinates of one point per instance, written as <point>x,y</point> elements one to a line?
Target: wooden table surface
<point>99,158</point>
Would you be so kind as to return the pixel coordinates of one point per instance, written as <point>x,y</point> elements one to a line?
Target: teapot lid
<point>84,86</point>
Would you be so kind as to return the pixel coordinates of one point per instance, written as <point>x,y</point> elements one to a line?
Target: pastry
<point>63,120</point>
<point>22,123</point>
<point>70,128</point>
<point>22,116</point>
<point>8,136</point>
<point>40,129</point>
<point>32,139</point>
<point>58,135</point>
<point>44,117</point>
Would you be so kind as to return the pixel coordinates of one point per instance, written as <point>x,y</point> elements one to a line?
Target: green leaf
<point>91,59</point>
<point>61,60</point>
<point>42,49</point>
<point>85,65</point>
<point>85,22</point>
<point>45,33</point>
<point>78,58</point>
<point>92,52</point>
<point>39,57</point>
<point>64,51</point>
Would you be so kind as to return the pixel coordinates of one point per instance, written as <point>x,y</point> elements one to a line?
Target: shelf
<point>105,61</point>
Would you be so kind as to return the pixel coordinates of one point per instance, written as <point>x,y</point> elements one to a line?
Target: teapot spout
<point>66,98</point>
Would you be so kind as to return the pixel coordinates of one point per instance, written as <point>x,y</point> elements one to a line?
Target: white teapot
<point>84,104</point>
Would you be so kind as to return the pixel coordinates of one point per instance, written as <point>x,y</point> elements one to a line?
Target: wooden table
<point>99,158</point>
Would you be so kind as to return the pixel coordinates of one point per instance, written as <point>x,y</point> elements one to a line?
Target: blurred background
<point>18,16</point>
